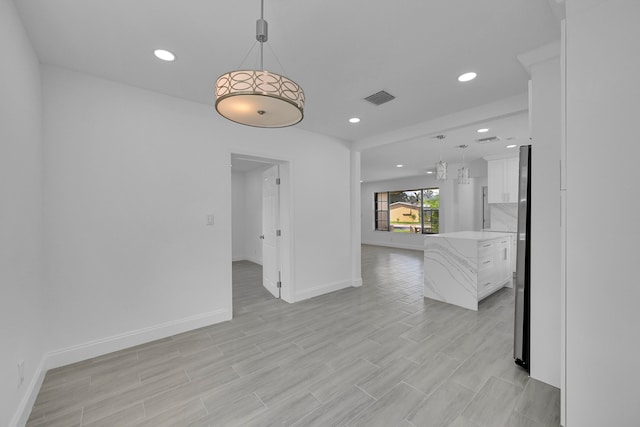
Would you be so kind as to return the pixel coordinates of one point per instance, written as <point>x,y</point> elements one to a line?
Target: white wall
<point>21,287</point>
<point>238,211</point>
<point>246,215</point>
<point>463,205</point>
<point>602,291</point>
<point>130,178</point>
<point>545,221</point>
<point>460,206</point>
<point>356,219</point>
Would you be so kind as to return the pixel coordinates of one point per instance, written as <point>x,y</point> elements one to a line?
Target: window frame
<point>379,207</point>
<point>382,216</point>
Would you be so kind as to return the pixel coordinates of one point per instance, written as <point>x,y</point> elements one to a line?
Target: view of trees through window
<point>408,211</point>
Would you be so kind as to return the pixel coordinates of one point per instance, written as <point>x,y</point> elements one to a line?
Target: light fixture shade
<point>463,175</point>
<point>441,171</point>
<point>259,98</point>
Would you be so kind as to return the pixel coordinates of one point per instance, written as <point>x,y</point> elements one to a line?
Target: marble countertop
<point>500,231</point>
<point>473,235</point>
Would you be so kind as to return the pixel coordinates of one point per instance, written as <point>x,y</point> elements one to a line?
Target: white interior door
<point>270,230</point>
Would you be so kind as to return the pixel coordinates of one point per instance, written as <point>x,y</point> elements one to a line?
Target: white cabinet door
<point>487,278</point>
<point>502,180</point>
<point>503,260</point>
<point>512,167</point>
<point>495,181</point>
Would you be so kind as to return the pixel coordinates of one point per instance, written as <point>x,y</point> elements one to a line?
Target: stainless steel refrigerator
<point>523,262</point>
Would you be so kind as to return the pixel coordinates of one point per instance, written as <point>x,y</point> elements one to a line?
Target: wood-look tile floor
<point>379,355</point>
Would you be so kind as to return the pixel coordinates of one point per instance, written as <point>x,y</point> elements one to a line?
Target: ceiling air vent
<point>488,139</point>
<point>380,98</point>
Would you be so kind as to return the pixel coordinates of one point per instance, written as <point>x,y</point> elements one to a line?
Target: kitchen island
<point>464,267</point>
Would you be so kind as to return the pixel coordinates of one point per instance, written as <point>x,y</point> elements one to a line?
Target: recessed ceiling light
<point>511,146</point>
<point>399,166</point>
<point>467,77</point>
<point>354,120</point>
<point>429,172</point>
<point>165,55</point>
<point>483,130</point>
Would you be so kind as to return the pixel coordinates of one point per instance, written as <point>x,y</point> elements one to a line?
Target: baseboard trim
<point>21,416</point>
<point>254,260</point>
<point>107,345</point>
<point>396,245</point>
<point>247,258</point>
<point>323,289</point>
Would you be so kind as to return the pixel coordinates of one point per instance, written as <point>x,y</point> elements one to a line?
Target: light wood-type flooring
<point>378,355</point>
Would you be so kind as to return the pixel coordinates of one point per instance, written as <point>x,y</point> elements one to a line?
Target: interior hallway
<point>379,355</point>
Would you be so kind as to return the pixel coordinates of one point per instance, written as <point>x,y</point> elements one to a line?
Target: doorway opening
<point>261,231</point>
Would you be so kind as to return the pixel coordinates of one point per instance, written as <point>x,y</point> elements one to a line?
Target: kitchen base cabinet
<point>463,268</point>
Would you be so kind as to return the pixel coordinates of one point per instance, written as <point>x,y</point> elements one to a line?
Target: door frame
<point>286,244</point>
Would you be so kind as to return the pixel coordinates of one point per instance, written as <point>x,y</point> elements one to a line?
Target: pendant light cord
<point>262,41</point>
<point>259,40</point>
<point>239,67</point>
<point>273,52</point>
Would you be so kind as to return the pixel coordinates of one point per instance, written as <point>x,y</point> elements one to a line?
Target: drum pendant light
<point>259,98</point>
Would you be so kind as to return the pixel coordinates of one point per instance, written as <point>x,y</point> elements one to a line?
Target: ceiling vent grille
<point>488,139</point>
<point>380,98</point>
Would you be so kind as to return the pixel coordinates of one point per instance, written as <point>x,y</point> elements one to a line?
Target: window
<point>382,211</point>
<point>430,210</point>
<point>408,211</point>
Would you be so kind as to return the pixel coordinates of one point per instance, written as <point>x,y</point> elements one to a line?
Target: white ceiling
<point>421,154</point>
<point>339,51</point>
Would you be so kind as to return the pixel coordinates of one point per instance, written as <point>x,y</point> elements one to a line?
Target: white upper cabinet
<point>503,180</point>
<point>512,179</point>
